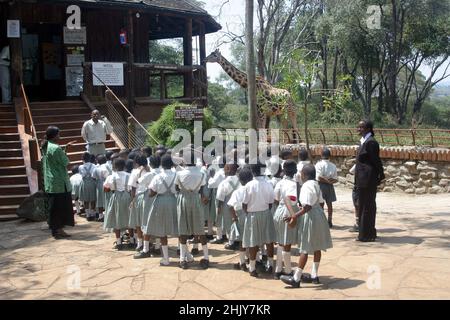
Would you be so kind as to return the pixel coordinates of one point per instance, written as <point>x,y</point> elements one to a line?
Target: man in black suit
<point>368,175</point>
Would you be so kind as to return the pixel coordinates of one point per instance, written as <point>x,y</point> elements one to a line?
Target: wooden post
<point>15,47</point>
<point>204,75</point>
<point>251,72</point>
<point>130,87</point>
<point>187,45</point>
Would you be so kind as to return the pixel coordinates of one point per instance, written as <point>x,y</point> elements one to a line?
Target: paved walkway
<point>411,260</point>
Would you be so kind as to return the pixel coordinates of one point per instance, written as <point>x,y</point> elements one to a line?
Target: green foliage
<point>163,128</point>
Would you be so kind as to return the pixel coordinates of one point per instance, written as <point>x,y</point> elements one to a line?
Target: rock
<point>342,180</point>
<point>424,163</point>
<point>421,167</point>
<point>404,170</point>
<point>393,163</point>
<point>428,175</point>
<point>411,166</point>
<point>410,190</point>
<point>444,182</point>
<point>392,171</point>
<point>409,178</point>
<point>435,190</point>
<point>419,183</point>
<point>444,175</point>
<point>388,189</point>
<point>421,190</point>
<point>428,183</point>
<point>403,184</point>
<point>350,178</point>
<point>350,162</point>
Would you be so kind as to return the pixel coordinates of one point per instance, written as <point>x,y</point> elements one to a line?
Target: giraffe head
<point>215,56</point>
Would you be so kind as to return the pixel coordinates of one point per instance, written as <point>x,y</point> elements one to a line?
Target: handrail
<point>29,123</point>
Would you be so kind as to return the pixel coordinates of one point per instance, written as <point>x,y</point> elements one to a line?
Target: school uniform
<point>100,174</point>
<point>286,190</point>
<point>75,182</point>
<point>145,201</point>
<point>313,230</point>
<point>224,191</point>
<point>259,228</point>
<point>137,207</point>
<point>235,201</point>
<point>88,187</point>
<point>298,175</point>
<point>108,167</point>
<point>213,184</point>
<point>162,218</point>
<point>327,169</point>
<point>189,212</point>
<point>118,213</point>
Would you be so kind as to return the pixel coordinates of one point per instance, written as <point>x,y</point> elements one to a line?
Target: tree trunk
<point>250,54</point>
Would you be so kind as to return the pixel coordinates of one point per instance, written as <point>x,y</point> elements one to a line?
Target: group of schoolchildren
<point>145,198</point>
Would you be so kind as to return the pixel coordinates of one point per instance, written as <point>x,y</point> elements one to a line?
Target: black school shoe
<point>254,274</point>
<point>184,265</point>
<point>238,266</point>
<point>290,281</point>
<point>209,237</point>
<point>235,246</point>
<point>306,278</point>
<point>91,218</point>
<point>118,247</point>
<point>195,252</point>
<point>156,252</point>
<point>142,255</point>
<point>204,264</point>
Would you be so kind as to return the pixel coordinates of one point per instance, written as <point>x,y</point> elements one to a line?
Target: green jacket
<point>54,167</point>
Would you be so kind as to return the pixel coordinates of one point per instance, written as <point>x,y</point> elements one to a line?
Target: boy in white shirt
<point>303,161</point>
<point>326,173</point>
<point>75,181</point>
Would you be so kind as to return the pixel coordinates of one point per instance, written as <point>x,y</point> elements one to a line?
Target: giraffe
<point>271,101</point>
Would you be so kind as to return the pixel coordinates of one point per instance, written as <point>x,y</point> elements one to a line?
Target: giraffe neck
<point>236,74</point>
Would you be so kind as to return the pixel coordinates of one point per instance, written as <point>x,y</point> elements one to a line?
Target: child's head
<point>141,160</point>
<point>129,165</point>
<point>75,169</point>
<point>109,155</point>
<point>119,164</point>
<point>257,169</point>
<point>123,154</point>
<point>101,159</point>
<point>86,157</point>
<point>93,159</point>
<point>326,154</point>
<point>115,156</point>
<point>148,151</point>
<point>245,176</point>
<point>290,168</point>
<point>230,169</point>
<point>133,154</point>
<point>286,154</point>
<point>303,154</point>
<point>166,162</point>
<point>308,172</point>
<point>155,162</point>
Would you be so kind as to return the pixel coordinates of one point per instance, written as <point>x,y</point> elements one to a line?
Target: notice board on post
<point>188,113</point>
<point>111,73</point>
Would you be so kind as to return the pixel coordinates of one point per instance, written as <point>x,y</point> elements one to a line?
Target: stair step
<point>12,170</point>
<point>62,125</point>
<point>10,136</point>
<point>8,122</point>
<point>62,111</point>
<point>15,189</point>
<point>7,115</point>
<point>81,147</point>
<point>7,153</point>
<point>64,133</point>
<point>10,200</point>
<point>76,156</point>
<point>60,118</point>
<point>10,144</point>
<point>8,213</point>
<point>11,161</point>
<point>13,179</point>
<point>8,129</point>
<point>57,104</point>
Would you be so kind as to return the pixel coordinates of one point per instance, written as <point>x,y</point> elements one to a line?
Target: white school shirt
<point>133,182</point>
<point>191,178</point>
<point>109,166</point>
<point>258,195</point>
<point>157,184</point>
<point>96,132</point>
<point>310,193</point>
<point>101,172</point>
<point>225,188</point>
<point>286,189</point>
<point>87,170</point>
<point>75,180</point>
<point>326,169</point>
<point>274,181</point>
<point>236,198</point>
<point>145,180</point>
<point>219,176</point>
<point>273,165</point>
<point>120,178</point>
<point>298,175</point>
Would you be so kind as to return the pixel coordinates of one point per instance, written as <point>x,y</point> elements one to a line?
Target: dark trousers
<point>367,212</point>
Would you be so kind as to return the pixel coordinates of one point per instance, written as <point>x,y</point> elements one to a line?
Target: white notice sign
<point>110,73</point>
<point>75,36</point>
<point>13,29</point>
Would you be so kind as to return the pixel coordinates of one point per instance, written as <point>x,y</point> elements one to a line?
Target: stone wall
<point>405,175</point>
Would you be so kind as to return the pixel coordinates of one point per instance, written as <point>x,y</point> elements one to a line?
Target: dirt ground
<point>410,260</point>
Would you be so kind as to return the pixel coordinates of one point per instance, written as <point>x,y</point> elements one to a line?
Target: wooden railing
<point>30,129</point>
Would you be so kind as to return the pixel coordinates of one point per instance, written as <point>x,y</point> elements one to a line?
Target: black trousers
<point>61,212</point>
<point>367,212</point>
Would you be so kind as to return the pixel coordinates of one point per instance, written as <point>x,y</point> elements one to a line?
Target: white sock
<point>158,243</point>
<point>146,248</point>
<point>269,262</point>
<point>287,262</point>
<point>258,257</point>
<point>77,206</point>
<point>210,228</point>
<point>279,266</point>
<point>252,265</point>
<point>298,274</point>
<point>119,241</point>
<point>219,233</point>
<point>165,252</point>
<point>139,242</point>
<point>183,251</point>
<point>205,251</point>
<point>315,270</point>
<point>241,257</point>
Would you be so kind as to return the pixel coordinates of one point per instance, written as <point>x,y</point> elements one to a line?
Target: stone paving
<point>411,260</point>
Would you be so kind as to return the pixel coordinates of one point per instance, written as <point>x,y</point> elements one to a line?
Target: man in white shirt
<point>5,77</point>
<point>94,133</point>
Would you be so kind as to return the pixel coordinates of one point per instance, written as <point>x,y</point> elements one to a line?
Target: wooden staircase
<point>13,177</point>
<point>69,117</point>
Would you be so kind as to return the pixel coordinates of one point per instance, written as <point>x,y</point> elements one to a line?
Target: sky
<point>231,16</point>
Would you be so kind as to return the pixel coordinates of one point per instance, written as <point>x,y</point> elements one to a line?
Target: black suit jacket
<point>369,170</point>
